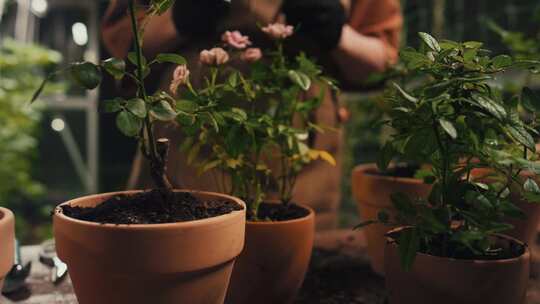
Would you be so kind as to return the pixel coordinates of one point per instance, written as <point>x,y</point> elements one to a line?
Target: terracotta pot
<point>274,262</point>
<point>7,243</point>
<point>186,262</point>
<point>441,280</point>
<point>524,230</point>
<point>372,193</point>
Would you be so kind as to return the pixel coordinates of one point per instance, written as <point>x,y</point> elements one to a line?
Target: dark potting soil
<point>502,249</point>
<point>399,170</point>
<point>152,207</point>
<point>337,278</point>
<point>279,212</point>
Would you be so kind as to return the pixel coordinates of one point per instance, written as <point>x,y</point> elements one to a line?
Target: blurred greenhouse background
<point>54,149</point>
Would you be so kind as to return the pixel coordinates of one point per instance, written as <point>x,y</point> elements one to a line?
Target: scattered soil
<point>336,278</point>
<point>399,170</point>
<point>279,212</point>
<point>152,207</point>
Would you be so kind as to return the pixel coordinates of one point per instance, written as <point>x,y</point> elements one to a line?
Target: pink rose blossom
<point>236,39</point>
<point>215,56</point>
<point>278,30</point>
<point>180,77</point>
<point>251,55</point>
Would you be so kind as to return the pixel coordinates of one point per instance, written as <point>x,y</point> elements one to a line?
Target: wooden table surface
<point>40,289</point>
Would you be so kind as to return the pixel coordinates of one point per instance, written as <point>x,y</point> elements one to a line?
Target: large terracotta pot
<point>372,193</point>
<point>524,229</point>
<point>441,280</point>
<point>186,262</point>
<point>7,243</point>
<point>274,262</point>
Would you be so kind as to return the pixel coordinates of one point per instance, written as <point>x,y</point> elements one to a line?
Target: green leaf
<point>405,94</point>
<point>39,90</point>
<point>531,186</point>
<point>137,107</point>
<point>491,106</point>
<point>132,57</point>
<point>431,42</point>
<point>187,106</point>
<point>501,61</point>
<point>163,111</point>
<point>128,123</point>
<point>385,156</point>
<point>413,59</point>
<point>521,135</point>
<point>160,6</point>
<point>472,44</point>
<point>113,105</point>
<point>85,74</point>
<point>300,79</point>
<point>232,80</point>
<point>408,245</point>
<point>114,66</point>
<point>530,100</point>
<point>171,58</point>
<point>208,166</point>
<point>448,127</point>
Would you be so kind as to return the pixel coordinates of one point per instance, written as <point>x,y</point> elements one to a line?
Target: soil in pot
<point>458,277</point>
<point>278,212</point>
<point>276,255</point>
<point>151,207</point>
<point>398,170</point>
<point>187,261</point>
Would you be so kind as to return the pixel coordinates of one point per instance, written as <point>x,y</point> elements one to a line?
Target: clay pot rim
<point>526,254</point>
<point>363,169</point>
<point>310,215</point>
<point>149,227</point>
<point>5,215</point>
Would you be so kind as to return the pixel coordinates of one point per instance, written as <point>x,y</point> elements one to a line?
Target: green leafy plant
<point>455,121</point>
<point>135,117</point>
<point>252,121</point>
<point>22,66</point>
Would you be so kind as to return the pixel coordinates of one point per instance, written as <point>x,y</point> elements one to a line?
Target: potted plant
<point>456,122</point>
<point>259,145</point>
<point>7,243</point>
<point>157,246</point>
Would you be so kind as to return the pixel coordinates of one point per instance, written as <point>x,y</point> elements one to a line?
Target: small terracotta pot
<point>274,262</point>
<point>186,262</point>
<point>7,243</point>
<point>524,229</point>
<point>441,280</point>
<point>372,193</point>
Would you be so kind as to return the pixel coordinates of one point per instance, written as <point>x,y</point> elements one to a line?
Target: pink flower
<point>215,56</point>
<point>180,77</point>
<point>236,39</point>
<point>278,30</point>
<point>251,55</point>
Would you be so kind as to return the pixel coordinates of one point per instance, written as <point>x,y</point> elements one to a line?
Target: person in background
<point>351,39</point>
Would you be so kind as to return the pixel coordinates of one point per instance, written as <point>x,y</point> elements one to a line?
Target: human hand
<point>320,20</point>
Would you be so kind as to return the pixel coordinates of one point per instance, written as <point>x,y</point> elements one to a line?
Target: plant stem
<point>156,158</point>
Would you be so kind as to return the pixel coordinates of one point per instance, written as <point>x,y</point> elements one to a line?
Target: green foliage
<point>21,67</point>
<point>455,121</point>
<point>247,121</point>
